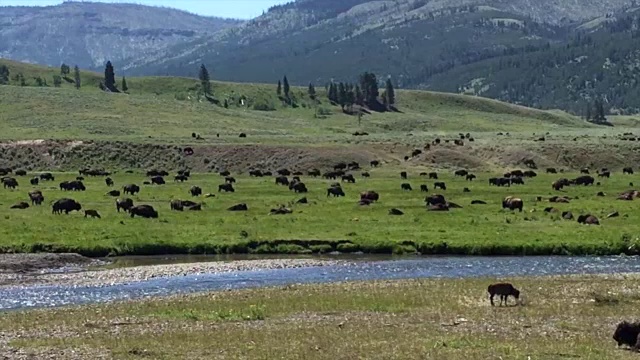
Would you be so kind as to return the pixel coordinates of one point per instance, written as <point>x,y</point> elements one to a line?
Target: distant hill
<point>88,34</point>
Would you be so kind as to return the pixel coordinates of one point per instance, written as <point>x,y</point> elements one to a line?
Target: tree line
<point>19,78</point>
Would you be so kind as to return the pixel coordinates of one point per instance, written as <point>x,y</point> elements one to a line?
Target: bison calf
<point>92,213</point>
<point>504,290</point>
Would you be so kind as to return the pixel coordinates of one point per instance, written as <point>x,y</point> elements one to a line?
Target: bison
<point>627,170</point>
<point>282,180</point>
<point>559,184</point>
<point>92,214</point>
<point>255,173</point>
<point>47,177</point>
<point>406,186</point>
<point>195,191</point>
<point>512,203</point>
<point>229,179</point>
<point>584,180</point>
<point>226,188</point>
<point>131,189</point>
<point>369,195</point>
<point>36,197</point>
<point>113,193</point>
<point>461,173</point>
<point>433,175</point>
<point>125,204</point>
<point>34,181</point>
<point>238,207</point>
<point>66,205</point>
<point>435,199</point>
<point>145,211</point>
<point>588,220</point>
<point>394,211</point>
<point>157,180</point>
<point>299,187</point>
<point>9,183</point>
<point>314,172</point>
<point>424,188</point>
<point>335,191</point>
<point>181,178</point>
<point>504,290</point>
<point>349,178</point>
<point>440,185</point>
<point>21,173</point>
<point>374,163</point>
<point>21,205</point>
<point>626,333</point>
<point>470,177</point>
<point>552,171</point>
<point>108,181</point>
<point>403,175</point>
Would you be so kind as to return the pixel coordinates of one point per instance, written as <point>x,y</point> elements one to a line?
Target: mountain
<point>88,34</point>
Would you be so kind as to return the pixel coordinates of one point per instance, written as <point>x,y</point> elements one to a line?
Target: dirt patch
<point>25,263</point>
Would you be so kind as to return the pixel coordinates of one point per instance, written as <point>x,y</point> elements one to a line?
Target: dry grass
<point>419,319</point>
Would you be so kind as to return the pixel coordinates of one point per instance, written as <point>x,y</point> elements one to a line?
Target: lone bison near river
<point>504,290</point>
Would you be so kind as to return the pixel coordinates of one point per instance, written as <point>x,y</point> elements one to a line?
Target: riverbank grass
<point>418,319</point>
<point>325,224</point>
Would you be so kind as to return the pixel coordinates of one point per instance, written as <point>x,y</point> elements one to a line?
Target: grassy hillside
<point>169,109</point>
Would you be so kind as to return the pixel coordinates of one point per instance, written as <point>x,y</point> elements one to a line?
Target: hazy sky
<point>240,9</point>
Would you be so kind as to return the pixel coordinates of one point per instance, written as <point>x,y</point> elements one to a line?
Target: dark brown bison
<point>530,174</point>
<point>66,205</point>
<point>552,171</point>
<point>584,171</point>
<point>424,188</point>
<point>340,166</point>
<point>512,203</point>
<point>517,181</point>
<point>9,182</point>
<point>255,173</point>
<point>145,211</point>
<point>108,181</point>
<point>461,173</point>
<point>517,173</point>
<point>606,174</point>
<point>435,199</point>
<point>559,184</point>
<point>124,204</point>
<point>283,172</point>
<point>396,212</point>
<point>504,290</point>
<point>34,181</point>
<point>313,172</point>
<point>176,205</point>
<point>440,185</point>
<point>406,187</point>
<point>349,178</point>
<point>5,171</point>
<point>36,197</point>
<point>584,180</point>
<point>304,200</point>
<point>113,193</point>
<point>370,195</point>
<point>239,207</point>
<point>365,174</point>
<point>79,178</point>
<point>195,191</point>
<point>559,199</point>
<point>299,187</point>
<point>131,189</point>
<point>374,163</point>
<point>470,177</point>
<point>567,215</point>
<point>152,173</point>
<point>225,173</point>
<point>20,173</point>
<point>626,333</point>
<point>403,175</point>
<point>157,180</point>
<point>230,180</point>
<point>181,178</point>
<point>75,185</point>
<point>47,177</point>
<point>21,205</point>
<point>627,170</point>
<point>282,180</point>
<point>433,175</point>
<point>226,188</point>
<point>335,191</point>
<point>92,213</point>
<point>588,220</point>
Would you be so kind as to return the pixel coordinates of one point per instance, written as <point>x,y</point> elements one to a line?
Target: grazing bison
<point>369,195</point>
<point>403,175</point>
<point>36,197</point>
<point>157,180</point>
<point>181,178</point>
<point>92,214</point>
<point>229,179</point>
<point>349,178</point>
<point>176,205</point>
<point>606,174</point>
<point>299,187</point>
<point>394,211</point>
<point>125,204</point>
<point>424,188</point>
<point>186,173</point>
<point>76,185</point>
<point>529,174</point>
<point>567,215</point>
<point>588,220</point>
<point>47,177</point>
<point>314,172</point>
<point>552,171</point>
<point>114,193</point>
<point>66,205</point>
<point>335,191</point>
<point>461,173</point>
<point>435,199</point>
<point>512,203</point>
<point>517,173</point>
<point>340,166</point>
<point>282,180</point>
<point>21,205</point>
<point>517,181</point>
<point>195,191</point>
<point>34,181</point>
<point>255,173</point>
<point>440,185</point>
<point>239,207</point>
<point>365,174</point>
<point>627,170</point>
<point>283,172</point>
<point>225,173</point>
<point>226,187</point>
<point>559,199</point>
<point>504,290</point>
<point>21,173</point>
<point>145,211</point>
<point>626,333</point>
<point>433,175</point>
<point>9,183</point>
<point>131,189</point>
<point>470,177</point>
<point>559,184</point>
<point>374,163</point>
<point>406,186</point>
<point>108,181</point>
<point>584,180</point>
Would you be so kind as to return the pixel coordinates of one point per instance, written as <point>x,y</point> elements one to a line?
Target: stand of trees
<point>365,94</point>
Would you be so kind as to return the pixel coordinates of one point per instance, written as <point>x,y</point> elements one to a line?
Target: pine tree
<point>57,81</point>
<point>110,77</point>
<point>369,86</point>
<point>285,84</point>
<point>279,89</point>
<point>359,96</point>
<point>588,113</point>
<point>4,74</point>
<point>333,93</point>
<point>125,88</point>
<point>76,75</point>
<point>312,91</point>
<point>391,94</point>
<point>205,80</point>
<point>351,96</point>
<point>385,99</point>
<point>64,69</point>
<point>342,95</point>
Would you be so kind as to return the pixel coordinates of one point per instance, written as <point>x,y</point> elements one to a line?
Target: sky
<point>239,9</point>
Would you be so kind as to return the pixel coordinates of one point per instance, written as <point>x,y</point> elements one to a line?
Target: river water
<point>366,269</point>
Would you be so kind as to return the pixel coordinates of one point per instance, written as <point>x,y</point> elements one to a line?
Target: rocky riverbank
<point>106,277</point>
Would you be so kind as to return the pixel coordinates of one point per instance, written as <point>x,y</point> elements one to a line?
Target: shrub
<point>263,105</point>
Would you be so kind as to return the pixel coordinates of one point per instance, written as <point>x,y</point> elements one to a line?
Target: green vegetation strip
<point>325,224</point>
<point>561,317</point>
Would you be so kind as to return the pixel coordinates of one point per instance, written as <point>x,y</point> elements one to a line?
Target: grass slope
<point>563,317</point>
<point>168,109</point>
<point>326,223</point>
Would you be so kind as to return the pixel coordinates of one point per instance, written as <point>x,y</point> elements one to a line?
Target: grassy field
<point>169,109</point>
<point>562,317</point>
<point>325,224</point>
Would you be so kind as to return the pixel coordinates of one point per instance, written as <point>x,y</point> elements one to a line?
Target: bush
<point>263,105</point>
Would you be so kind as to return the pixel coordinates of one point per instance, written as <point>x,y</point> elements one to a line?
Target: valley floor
<point>560,317</point>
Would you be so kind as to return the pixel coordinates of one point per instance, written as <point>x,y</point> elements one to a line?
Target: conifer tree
<point>205,80</point>
<point>76,75</point>
<point>125,88</point>
<point>110,77</point>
